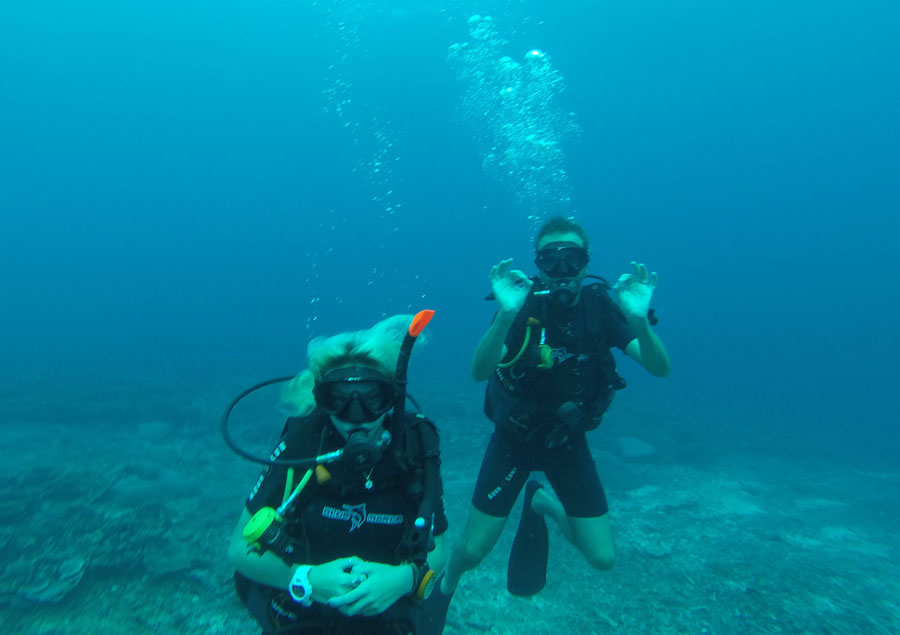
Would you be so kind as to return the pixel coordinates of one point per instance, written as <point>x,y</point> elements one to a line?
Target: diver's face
<point>565,261</point>
<point>356,397</point>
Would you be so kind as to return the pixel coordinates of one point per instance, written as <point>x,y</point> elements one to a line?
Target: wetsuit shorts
<point>570,469</point>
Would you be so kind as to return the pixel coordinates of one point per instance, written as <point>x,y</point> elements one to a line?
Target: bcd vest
<point>516,398</point>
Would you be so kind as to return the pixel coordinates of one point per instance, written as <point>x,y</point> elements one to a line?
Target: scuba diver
<point>551,376</point>
<point>343,530</point>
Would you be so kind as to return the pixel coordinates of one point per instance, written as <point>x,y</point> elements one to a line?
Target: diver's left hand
<point>380,585</point>
<point>634,290</point>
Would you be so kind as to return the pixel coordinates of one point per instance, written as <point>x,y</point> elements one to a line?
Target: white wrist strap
<point>300,588</point>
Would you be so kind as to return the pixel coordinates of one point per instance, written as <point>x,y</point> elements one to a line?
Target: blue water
<point>170,174</point>
<point>190,191</point>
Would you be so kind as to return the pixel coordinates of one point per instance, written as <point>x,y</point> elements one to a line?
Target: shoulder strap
<point>421,442</point>
<point>305,435</point>
<point>598,306</point>
<point>422,484</point>
<point>599,310</point>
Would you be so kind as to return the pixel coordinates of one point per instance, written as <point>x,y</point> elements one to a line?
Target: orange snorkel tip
<point>419,322</point>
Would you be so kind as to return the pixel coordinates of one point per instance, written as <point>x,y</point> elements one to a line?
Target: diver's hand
<point>510,286</point>
<point>634,291</point>
<point>379,586</point>
<point>331,579</point>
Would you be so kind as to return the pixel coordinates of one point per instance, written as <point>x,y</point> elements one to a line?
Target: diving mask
<point>355,394</point>
<point>561,259</point>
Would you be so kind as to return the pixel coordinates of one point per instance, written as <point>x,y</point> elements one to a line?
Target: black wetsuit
<point>340,519</point>
<point>524,402</point>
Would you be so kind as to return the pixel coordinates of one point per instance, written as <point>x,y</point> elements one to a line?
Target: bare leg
<point>592,536</point>
<point>546,503</point>
<point>480,536</point>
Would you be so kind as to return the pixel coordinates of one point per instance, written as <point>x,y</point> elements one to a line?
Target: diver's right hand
<point>511,286</point>
<point>334,578</point>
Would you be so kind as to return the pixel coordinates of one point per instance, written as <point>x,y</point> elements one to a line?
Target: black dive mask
<point>562,259</point>
<point>355,394</point>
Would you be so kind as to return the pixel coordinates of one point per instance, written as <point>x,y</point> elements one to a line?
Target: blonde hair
<point>378,347</point>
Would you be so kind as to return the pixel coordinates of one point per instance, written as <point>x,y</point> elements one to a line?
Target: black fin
<point>527,572</point>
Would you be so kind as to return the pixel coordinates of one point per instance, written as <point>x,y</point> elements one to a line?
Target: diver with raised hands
<point>550,378</point>
<point>343,530</point>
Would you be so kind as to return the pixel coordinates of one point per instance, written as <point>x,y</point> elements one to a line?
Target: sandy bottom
<point>708,541</point>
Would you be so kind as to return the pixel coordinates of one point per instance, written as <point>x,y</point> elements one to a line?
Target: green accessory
<point>544,350</point>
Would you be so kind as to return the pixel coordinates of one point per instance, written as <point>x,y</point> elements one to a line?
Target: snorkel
<point>417,538</point>
<point>418,324</point>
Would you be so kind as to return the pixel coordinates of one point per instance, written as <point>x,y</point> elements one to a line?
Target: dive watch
<point>300,588</point>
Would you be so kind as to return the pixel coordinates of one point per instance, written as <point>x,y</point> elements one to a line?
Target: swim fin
<point>433,615</point>
<point>527,572</point>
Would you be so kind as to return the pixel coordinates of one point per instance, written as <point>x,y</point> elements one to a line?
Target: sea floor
<point>118,523</point>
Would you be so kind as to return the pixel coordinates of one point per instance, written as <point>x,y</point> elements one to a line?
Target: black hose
<point>307,463</point>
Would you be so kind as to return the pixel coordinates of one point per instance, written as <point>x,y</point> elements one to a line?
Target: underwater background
<point>189,192</point>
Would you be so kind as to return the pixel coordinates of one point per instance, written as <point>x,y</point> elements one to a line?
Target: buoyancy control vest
<point>273,607</point>
<point>420,441</point>
<point>562,375</point>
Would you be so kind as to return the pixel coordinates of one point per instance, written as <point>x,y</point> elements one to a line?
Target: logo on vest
<point>357,516</point>
<point>561,354</point>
